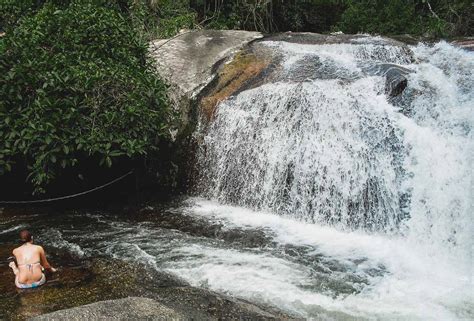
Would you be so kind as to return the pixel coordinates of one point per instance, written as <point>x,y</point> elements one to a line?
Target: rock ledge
<point>121,309</point>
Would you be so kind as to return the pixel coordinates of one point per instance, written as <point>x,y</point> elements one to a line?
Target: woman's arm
<point>44,261</point>
<point>12,263</point>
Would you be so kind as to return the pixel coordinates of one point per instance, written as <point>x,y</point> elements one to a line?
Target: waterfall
<point>324,143</point>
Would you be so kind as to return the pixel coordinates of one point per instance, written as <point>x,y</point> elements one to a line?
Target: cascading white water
<point>332,149</point>
<point>335,150</point>
<point>438,134</point>
<point>322,150</point>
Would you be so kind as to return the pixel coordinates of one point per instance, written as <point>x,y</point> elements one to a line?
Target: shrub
<point>161,18</point>
<point>75,84</point>
<point>419,17</point>
<point>376,16</point>
<point>11,11</point>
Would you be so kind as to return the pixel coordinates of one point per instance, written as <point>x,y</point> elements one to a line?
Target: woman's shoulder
<point>38,247</point>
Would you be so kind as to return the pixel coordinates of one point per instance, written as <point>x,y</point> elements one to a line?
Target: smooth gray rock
<point>173,304</point>
<point>202,304</point>
<point>187,61</point>
<point>122,309</point>
<point>466,43</point>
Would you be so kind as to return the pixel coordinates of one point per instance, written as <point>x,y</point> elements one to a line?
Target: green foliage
<point>161,18</point>
<point>173,16</point>
<point>377,16</point>
<point>455,17</point>
<point>418,17</point>
<point>74,83</point>
<point>303,15</point>
<point>164,18</point>
<point>170,26</point>
<point>11,11</point>
<point>382,17</point>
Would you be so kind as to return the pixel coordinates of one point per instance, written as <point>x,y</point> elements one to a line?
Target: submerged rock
<point>395,77</point>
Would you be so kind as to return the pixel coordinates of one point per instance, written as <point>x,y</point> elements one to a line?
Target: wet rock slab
<point>150,309</point>
<point>201,304</point>
<point>146,308</point>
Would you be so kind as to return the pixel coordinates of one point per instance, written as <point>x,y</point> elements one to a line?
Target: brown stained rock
<point>231,78</point>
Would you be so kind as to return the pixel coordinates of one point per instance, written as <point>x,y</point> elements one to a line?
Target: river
<point>320,195</point>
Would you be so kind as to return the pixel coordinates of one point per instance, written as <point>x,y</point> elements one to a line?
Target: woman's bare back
<point>29,260</point>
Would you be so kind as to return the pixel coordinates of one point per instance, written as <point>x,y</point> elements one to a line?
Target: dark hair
<point>25,236</point>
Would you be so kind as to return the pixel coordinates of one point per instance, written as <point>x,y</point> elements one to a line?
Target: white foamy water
<point>411,284</point>
<point>439,136</point>
<point>345,57</point>
<point>55,238</point>
<point>331,164</point>
<point>11,229</point>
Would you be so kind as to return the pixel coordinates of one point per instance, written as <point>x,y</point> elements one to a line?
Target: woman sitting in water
<point>31,261</point>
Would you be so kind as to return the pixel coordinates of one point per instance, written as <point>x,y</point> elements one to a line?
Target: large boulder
<point>187,62</point>
<point>184,303</point>
<point>121,309</point>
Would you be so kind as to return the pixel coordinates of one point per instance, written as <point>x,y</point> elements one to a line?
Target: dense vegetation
<point>431,18</point>
<point>75,83</point>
